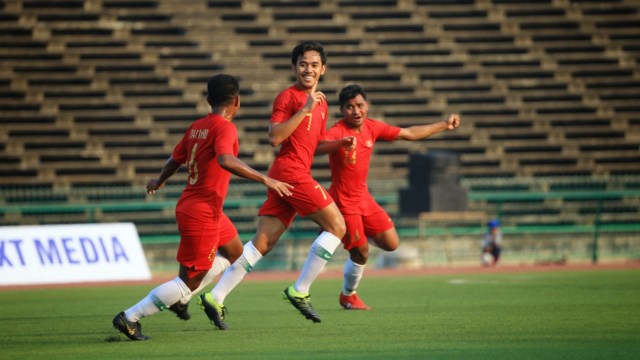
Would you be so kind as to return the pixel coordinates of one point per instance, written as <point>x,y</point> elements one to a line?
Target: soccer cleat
<point>181,310</point>
<point>215,312</point>
<point>352,302</point>
<point>302,303</point>
<point>133,330</point>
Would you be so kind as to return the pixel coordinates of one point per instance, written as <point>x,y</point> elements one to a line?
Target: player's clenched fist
<point>453,122</point>
<point>349,142</point>
<point>153,185</point>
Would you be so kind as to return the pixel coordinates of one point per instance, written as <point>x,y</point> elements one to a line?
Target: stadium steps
<point>555,200</point>
<point>568,78</point>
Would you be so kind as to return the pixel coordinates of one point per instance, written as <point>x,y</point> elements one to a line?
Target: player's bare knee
<point>359,255</point>
<point>232,250</point>
<point>193,284</point>
<point>359,259</point>
<point>386,241</point>
<point>233,254</point>
<point>337,228</point>
<point>191,278</point>
<point>263,244</point>
<point>390,247</point>
<point>339,231</point>
<point>341,228</point>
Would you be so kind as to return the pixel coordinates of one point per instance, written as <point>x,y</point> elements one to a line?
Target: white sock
<point>236,272</point>
<point>320,253</point>
<point>352,275</point>
<point>158,299</point>
<point>220,264</point>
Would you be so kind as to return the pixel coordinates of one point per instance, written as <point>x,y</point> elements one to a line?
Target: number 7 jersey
<point>294,159</point>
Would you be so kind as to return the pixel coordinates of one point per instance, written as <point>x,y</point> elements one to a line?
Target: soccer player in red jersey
<point>209,148</point>
<point>349,164</point>
<point>298,124</point>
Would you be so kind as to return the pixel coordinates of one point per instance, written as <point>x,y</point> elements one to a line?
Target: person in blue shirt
<point>491,244</point>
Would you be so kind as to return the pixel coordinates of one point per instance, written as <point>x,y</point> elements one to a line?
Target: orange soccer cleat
<point>352,302</point>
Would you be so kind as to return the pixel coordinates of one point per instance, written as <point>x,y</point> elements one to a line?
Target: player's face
<point>354,111</point>
<point>308,69</point>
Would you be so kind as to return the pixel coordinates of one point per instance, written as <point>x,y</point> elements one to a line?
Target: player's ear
<point>237,101</point>
<point>209,101</point>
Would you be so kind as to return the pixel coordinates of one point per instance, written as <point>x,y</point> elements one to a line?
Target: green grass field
<point>531,315</point>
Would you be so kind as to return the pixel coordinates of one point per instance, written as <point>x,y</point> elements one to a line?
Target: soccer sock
<point>352,275</point>
<point>158,299</point>
<point>220,264</point>
<point>320,253</point>
<point>236,272</point>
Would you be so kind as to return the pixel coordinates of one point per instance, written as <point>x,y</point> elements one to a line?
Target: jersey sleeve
<point>179,153</point>
<point>333,133</point>
<point>384,131</point>
<point>226,137</point>
<point>281,107</point>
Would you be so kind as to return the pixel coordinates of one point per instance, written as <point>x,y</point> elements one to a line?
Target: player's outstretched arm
<point>170,167</point>
<point>238,167</point>
<point>329,146</point>
<point>418,132</point>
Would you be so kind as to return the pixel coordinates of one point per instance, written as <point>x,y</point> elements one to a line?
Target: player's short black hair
<point>222,89</point>
<point>349,92</point>
<point>302,48</point>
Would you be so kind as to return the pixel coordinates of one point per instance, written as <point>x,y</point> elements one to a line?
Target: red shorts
<point>359,227</point>
<point>227,230</point>
<point>199,240</point>
<point>307,197</point>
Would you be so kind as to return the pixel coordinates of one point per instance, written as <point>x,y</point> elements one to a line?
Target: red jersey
<point>349,169</point>
<point>207,185</point>
<point>293,162</point>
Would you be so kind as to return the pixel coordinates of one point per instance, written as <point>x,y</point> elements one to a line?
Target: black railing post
<point>596,233</point>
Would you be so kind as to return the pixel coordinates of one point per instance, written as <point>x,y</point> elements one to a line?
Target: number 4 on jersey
<point>193,166</point>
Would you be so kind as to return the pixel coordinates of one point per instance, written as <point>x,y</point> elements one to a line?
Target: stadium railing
<point>585,206</point>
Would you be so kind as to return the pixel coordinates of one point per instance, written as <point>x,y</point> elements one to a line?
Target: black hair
<point>349,92</point>
<point>302,48</point>
<point>222,89</point>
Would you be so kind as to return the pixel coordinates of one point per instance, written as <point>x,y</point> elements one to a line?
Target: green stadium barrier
<point>505,196</point>
<point>495,196</point>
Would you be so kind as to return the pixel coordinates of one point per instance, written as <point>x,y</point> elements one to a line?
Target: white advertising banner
<point>53,254</point>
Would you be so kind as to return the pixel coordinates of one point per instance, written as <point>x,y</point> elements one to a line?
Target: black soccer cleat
<point>215,312</point>
<point>302,303</point>
<point>180,310</point>
<point>133,330</point>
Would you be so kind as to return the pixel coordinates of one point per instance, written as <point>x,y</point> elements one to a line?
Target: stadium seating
<point>94,94</point>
